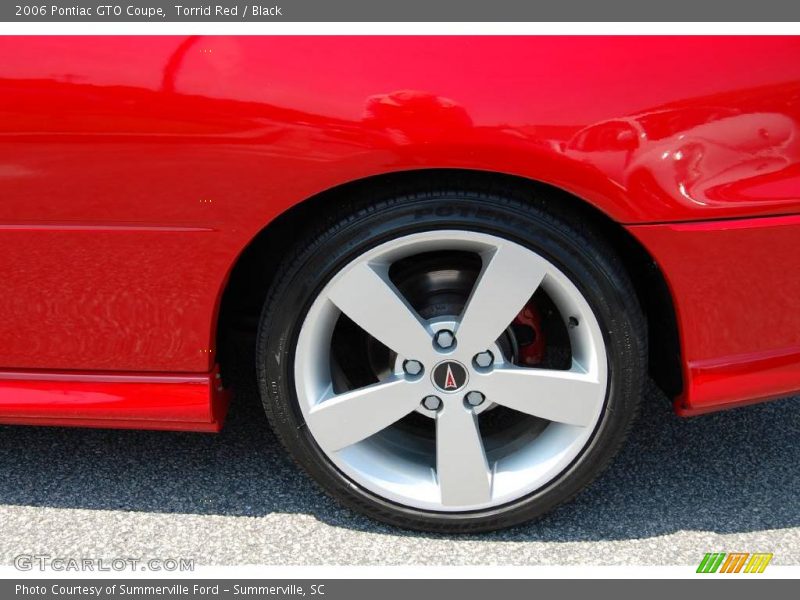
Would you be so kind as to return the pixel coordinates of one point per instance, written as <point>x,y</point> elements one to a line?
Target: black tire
<point>573,248</point>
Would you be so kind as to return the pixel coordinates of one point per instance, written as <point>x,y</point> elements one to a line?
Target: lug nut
<point>432,402</point>
<point>474,398</point>
<point>412,367</point>
<point>445,339</point>
<point>484,359</point>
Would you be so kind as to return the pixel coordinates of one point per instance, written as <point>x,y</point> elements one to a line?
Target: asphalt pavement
<point>680,488</point>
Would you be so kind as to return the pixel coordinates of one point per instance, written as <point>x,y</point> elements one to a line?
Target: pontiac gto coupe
<point>458,258</point>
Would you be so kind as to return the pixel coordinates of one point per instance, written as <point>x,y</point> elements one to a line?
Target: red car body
<point>135,171</point>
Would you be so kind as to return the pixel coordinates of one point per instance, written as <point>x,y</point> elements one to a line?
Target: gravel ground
<point>680,488</point>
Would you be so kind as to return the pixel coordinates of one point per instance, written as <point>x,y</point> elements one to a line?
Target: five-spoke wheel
<point>443,364</point>
<point>439,371</point>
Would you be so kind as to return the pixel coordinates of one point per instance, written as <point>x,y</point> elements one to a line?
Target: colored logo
<point>449,376</point>
<point>734,562</point>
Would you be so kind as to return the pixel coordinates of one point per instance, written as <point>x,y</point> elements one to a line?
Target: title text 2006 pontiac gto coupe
<point>460,258</point>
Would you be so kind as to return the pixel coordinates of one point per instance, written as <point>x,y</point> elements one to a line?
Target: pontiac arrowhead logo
<point>450,380</point>
<point>449,376</point>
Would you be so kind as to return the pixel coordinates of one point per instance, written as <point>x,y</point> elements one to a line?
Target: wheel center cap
<point>449,376</point>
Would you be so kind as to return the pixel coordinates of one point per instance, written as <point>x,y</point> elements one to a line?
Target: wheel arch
<point>251,275</point>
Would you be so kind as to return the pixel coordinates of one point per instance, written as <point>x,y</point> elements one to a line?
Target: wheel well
<point>256,267</point>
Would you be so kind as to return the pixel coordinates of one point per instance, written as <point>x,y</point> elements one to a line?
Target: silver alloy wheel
<point>356,428</point>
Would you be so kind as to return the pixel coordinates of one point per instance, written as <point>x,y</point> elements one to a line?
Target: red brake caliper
<point>527,327</point>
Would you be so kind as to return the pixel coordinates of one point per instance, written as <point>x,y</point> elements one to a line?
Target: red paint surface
<point>130,401</point>
<point>736,284</point>
<point>134,170</point>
